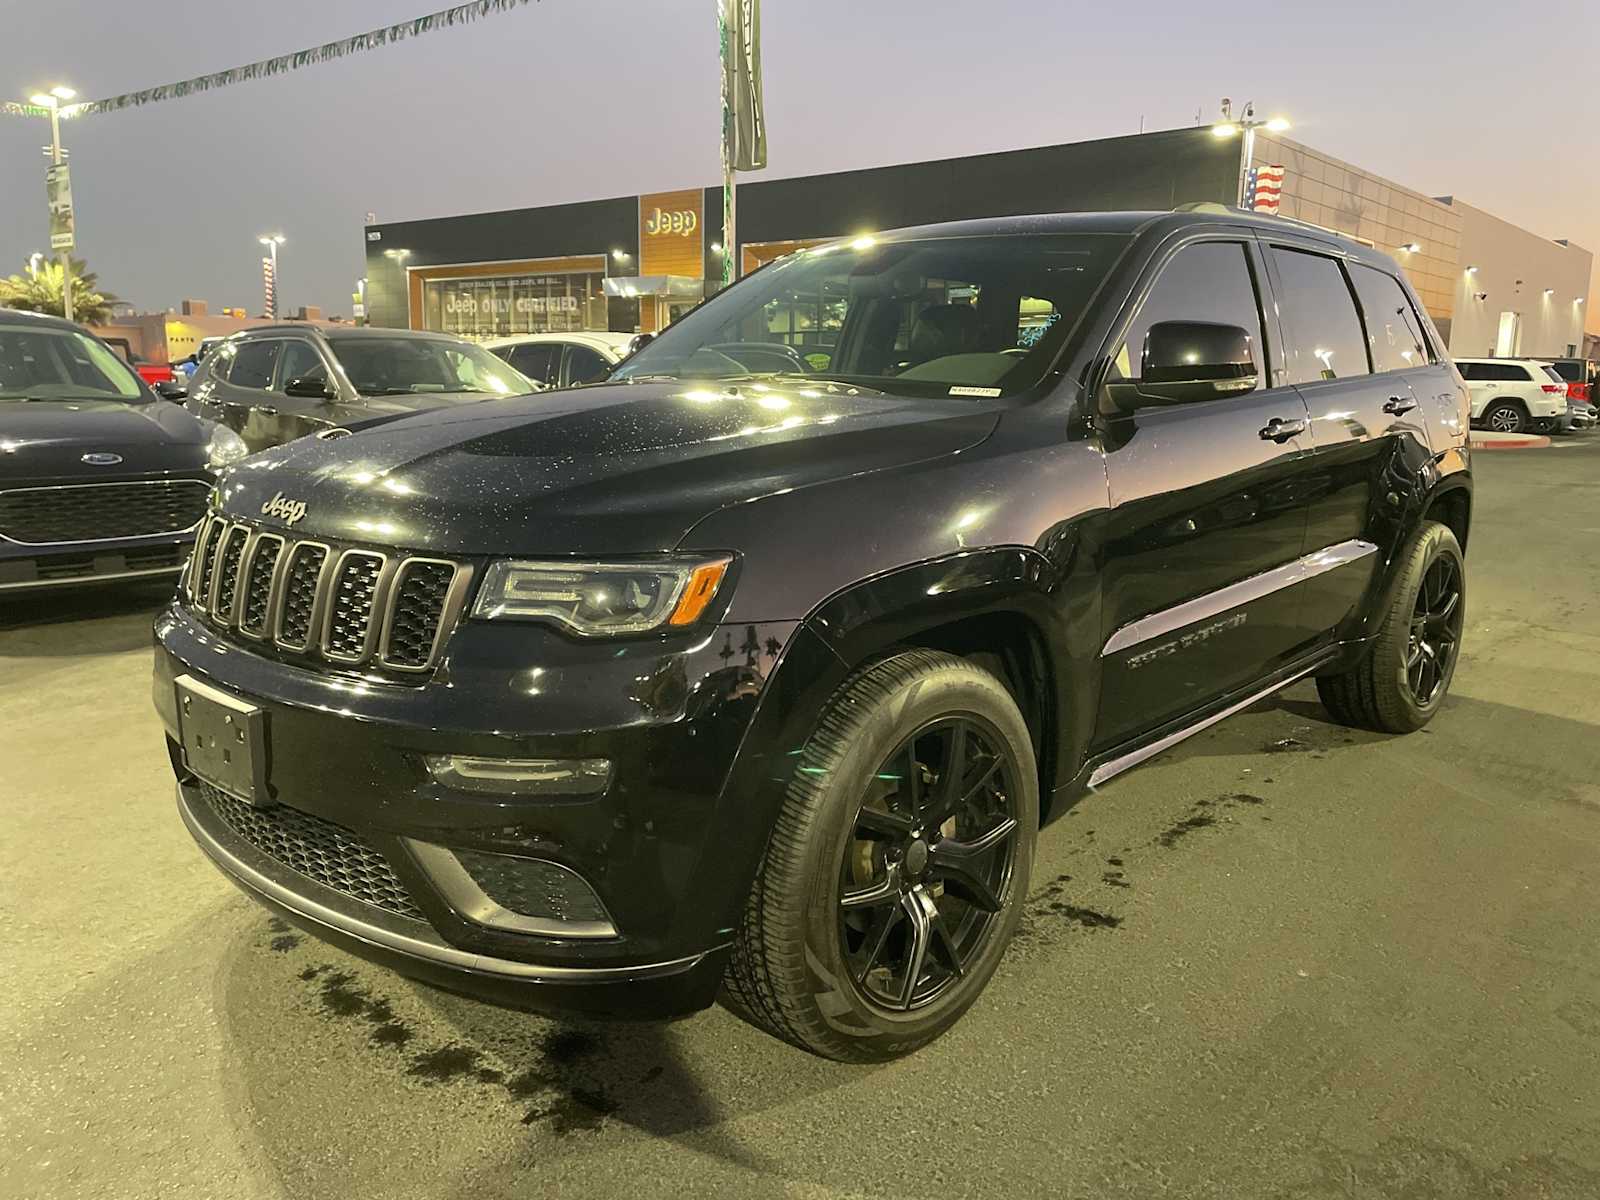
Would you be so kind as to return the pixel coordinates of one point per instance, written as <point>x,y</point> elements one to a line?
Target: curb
<point>1508,441</point>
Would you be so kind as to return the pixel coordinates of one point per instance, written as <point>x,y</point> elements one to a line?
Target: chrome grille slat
<point>346,606</point>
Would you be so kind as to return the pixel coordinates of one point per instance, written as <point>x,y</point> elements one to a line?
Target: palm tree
<point>38,289</point>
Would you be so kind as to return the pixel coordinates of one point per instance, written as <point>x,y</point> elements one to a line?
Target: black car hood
<point>42,439</point>
<point>620,469</point>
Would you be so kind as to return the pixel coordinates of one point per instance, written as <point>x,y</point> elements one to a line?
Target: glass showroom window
<point>494,306</point>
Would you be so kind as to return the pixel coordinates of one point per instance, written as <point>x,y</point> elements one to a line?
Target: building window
<point>497,305</point>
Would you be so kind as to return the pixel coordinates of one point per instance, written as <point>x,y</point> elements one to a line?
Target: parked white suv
<point>1511,395</point>
<point>560,360</point>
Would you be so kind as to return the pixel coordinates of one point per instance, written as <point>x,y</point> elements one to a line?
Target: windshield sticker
<point>974,391</point>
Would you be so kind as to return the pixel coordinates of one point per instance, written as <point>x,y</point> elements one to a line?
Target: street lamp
<point>1246,123</point>
<point>52,101</point>
<point>272,241</point>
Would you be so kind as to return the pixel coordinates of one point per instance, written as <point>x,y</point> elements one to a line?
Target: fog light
<point>522,776</point>
<point>522,895</point>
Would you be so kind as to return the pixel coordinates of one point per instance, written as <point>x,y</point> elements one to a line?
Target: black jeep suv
<point>756,669</point>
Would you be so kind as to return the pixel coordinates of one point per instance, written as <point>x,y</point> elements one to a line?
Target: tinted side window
<point>1208,281</point>
<point>539,361</point>
<point>252,365</point>
<point>1393,334</point>
<point>1508,372</point>
<point>1570,371</point>
<point>1471,372</point>
<point>1323,332</point>
<point>300,361</point>
<point>585,365</point>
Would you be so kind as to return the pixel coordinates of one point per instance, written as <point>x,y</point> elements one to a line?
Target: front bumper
<point>658,989</point>
<point>130,560</point>
<point>669,847</point>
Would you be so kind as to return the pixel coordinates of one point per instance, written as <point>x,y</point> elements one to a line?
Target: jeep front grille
<point>350,606</point>
<point>324,852</point>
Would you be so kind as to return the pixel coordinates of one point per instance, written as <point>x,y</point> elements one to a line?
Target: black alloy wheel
<point>1435,630</point>
<point>932,851</point>
<point>898,862</point>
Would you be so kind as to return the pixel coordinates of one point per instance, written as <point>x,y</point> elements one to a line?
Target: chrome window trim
<point>318,598</point>
<point>455,601</point>
<point>375,616</point>
<point>464,895</point>
<point>131,537</point>
<point>255,874</point>
<point>1236,595</point>
<point>247,566</point>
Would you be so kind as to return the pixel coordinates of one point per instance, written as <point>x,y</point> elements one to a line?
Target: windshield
<point>380,366</point>
<point>62,364</point>
<point>971,316</point>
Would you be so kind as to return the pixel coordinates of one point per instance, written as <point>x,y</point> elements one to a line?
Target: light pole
<point>272,241</point>
<point>52,101</point>
<point>1246,123</point>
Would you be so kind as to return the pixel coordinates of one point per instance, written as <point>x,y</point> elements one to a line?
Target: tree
<point>37,288</point>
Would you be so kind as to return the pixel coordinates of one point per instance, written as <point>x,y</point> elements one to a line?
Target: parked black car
<point>100,480</point>
<point>706,679</point>
<point>280,382</point>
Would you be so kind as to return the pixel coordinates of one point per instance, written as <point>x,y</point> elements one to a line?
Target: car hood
<point>619,469</point>
<point>48,438</point>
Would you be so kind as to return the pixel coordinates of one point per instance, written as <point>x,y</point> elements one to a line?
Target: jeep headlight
<point>226,447</point>
<point>598,599</point>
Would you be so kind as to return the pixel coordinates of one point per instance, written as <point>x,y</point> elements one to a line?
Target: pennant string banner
<point>445,18</point>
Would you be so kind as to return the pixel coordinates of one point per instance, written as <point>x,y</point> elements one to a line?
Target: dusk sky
<point>577,99</point>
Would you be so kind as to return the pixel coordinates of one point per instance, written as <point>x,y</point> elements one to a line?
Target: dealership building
<point>635,262</point>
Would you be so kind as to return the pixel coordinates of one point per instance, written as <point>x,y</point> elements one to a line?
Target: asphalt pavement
<point>1285,959</point>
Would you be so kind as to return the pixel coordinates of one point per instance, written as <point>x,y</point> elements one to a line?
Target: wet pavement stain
<point>1047,903</point>
<point>1115,879</point>
<point>1171,836</point>
<point>278,925</point>
<point>285,942</point>
<point>444,1064</point>
<point>1087,917</point>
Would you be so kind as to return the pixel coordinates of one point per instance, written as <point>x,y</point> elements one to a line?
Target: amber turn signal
<point>697,594</point>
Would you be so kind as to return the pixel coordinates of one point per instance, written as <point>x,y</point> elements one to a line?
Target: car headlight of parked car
<point>597,599</point>
<point>226,447</point>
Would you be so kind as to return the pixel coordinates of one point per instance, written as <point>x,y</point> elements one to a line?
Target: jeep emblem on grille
<point>281,506</point>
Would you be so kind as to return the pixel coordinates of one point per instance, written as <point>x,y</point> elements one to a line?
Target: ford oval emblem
<point>102,458</point>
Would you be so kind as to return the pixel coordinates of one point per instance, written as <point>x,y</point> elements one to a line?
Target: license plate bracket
<point>224,740</point>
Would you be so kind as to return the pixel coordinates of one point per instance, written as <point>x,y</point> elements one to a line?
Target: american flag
<point>1263,189</point>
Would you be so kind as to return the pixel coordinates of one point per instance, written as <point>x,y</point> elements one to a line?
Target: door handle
<point>1398,405</point>
<point>1280,431</point>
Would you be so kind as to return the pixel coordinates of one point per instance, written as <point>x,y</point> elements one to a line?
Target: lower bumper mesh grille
<point>324,852</point>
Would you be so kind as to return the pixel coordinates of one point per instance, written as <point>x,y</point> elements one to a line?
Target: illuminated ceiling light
<point>1278,125</point>
<point>1579,300</point>
<point>1225,129</point>
<point>1410,247</point>
<point>1549,291</point>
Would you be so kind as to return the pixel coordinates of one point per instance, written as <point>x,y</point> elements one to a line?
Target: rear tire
<point>1405,671</point>
<point>1505,416</point>
<point>864,866</point>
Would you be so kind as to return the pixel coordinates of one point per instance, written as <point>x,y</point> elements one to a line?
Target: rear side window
<point>1507,373</point>
<point>1393,333</point>
<point>1572,372</point>
<point>1208,282</point>
<point>539,361</point>
<point>253,363</point>
<point>1322,330</point>
<point>585,365</point>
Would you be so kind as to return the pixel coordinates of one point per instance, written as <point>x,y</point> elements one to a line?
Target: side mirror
<point>310,387</point>
<point>1185,361</point>
<point>175,390</point>
<point>637,343</point>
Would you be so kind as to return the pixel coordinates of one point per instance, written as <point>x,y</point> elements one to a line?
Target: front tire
<point>1405,672</point>
<point>897,869</point>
